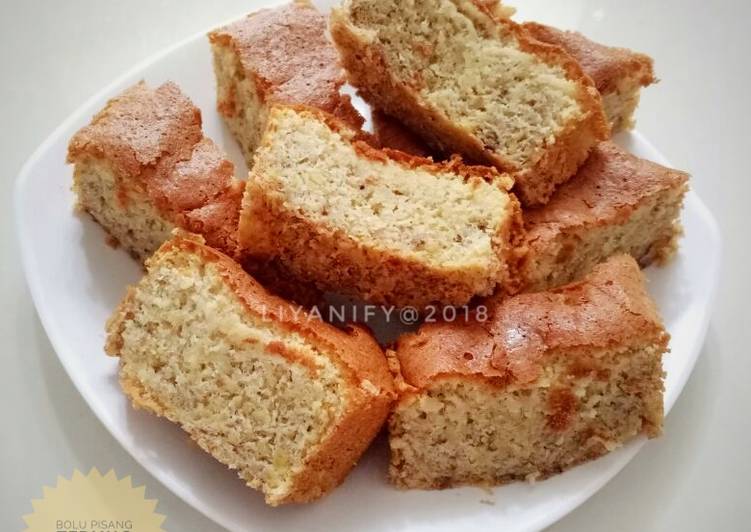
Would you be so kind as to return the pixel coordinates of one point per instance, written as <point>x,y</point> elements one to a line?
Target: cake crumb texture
<point>286,400</point>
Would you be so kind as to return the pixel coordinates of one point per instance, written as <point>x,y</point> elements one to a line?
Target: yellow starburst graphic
<point>93,502</point>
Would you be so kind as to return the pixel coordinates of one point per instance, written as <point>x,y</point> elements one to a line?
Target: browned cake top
<point>191,183</point>
<point>287,52</point>
<point>610,308</point>
<point>606,65</point>
<point>139,127</point>
<point>354,347</point>
<point>217,219</point>
<point>153,140</point>
<point>610,185</point>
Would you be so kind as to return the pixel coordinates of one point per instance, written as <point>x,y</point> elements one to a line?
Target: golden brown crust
<point>369,71</point>
<point>286,51</point>
<point>606,65</point>
<point>606,189</point>
<point>217,219</point>
<point>337,262</point>
<point>139,128</point>
<point>610,308</point>
<point>369,385</point>
<point>152,139</point>
<point>193,182</point>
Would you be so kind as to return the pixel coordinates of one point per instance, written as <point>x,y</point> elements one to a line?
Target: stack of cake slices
<point>489,182</point>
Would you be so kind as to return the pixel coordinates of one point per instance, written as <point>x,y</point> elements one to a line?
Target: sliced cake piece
<point>143,167</point>
<point>616,203</point>
<point>278,55</point>
<point>288,401</point>
<point>618,73</point>
<point>474,83</point>
<point>547,381</point>
<point>382,226</point>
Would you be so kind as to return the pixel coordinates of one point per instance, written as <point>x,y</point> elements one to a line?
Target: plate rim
<point>58,344</point>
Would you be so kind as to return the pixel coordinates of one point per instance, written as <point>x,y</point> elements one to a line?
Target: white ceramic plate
<point>76,280</point>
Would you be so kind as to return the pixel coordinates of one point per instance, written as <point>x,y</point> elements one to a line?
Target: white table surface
<point>54,55</point>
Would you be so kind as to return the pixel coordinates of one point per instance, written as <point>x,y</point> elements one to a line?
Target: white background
<point>56,54</point>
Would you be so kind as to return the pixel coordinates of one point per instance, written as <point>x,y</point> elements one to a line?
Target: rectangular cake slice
<point>285,399</point>
<point>143,167</point>
<point>382,226</point>
<point>473,83</point>
<point>538,384</point>
<point>616,203</point>
<point>618,73</point>
<point>278,55</point>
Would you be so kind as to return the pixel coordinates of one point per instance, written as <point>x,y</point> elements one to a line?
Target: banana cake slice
<point>276,55</point>
<point>616,203</point>
<point>619,75</point>
<point>285,399</point>
<point>546,381</point>
<point>379,225</point>
<point>143,168</point>
<point>472,82</point>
